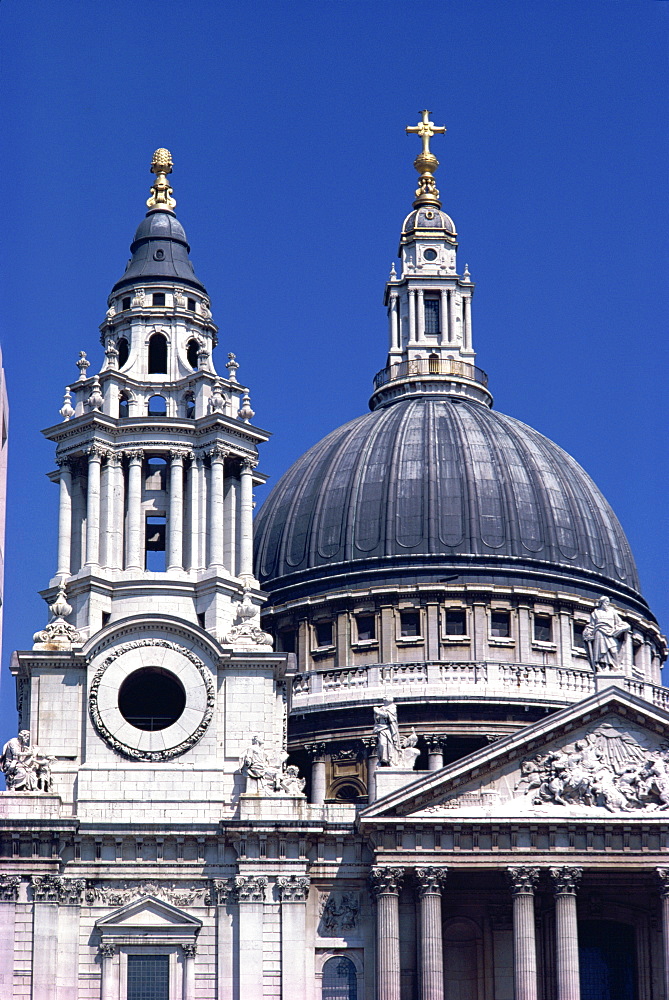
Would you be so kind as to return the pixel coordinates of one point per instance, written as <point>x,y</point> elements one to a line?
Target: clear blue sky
<point>292,176</point>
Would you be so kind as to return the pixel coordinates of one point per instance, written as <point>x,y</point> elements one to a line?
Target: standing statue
<point>392,749</point>
<point>602,633</point>
<point>25,768</point>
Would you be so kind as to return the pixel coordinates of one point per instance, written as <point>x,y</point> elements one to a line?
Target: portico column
<point>250,891</point>
<point>95,455</point>
<point>565,883</point>
<point>385,883</point>
<point>246,519</point>
<point>133,541</point>
<point>317,754</point>
<point>435,752</point>
<point>9,894</point>
<point>223,894</point>
<point>663,875</point>
<point>64,518</point>
<point>176,515</point>
<point>522,880</point>
<point>293,891</point>
<point>430,884</point>
<point>218,456</point>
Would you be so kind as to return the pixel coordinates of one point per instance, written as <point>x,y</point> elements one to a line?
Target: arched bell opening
<point>157,354</point>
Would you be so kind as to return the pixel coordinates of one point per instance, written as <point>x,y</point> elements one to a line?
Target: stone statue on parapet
<point>248,631</point>
<point>25,767</point>
<point>266,771</point>
<point>393,750</point>
<point>602,634</point>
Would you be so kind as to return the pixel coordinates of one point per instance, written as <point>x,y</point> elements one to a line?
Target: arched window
<point>157,406</point>
<point>340,981</point>
<point>433,363</point>
<point>192,347</point>
<point>123,352</point>
<point>157,354</point>
<point>124,405</point>
<point>189,405</point>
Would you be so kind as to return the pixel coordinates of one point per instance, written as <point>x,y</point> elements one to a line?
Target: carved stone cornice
<point>317,751</point>
<point>663,876</point>
<point>293,888</point>
<point>250,888</point>
<point>565,880</point>
<point>430,880</point>
<point>58,889</point>
<point>386,880</point>
<point>522,879</point>
<point>9,888</point>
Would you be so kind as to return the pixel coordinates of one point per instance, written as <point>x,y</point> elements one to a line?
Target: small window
<point>157,406</point>
<point>189,406</point>
<point>123,352</point>
<point>191,305</point>
<point>158,298</point>
<point>456,622</point>
<point>543,628</point>
<point>148,977</point>
<point>106,615</point>
<point>431,306</point>
<point>366,627</point>
<point>579,641</point>
<point>123,406</point>
<point>158,354</point>
<point>323,633</point>
<point>500,624</point>
<point>409,624</point>
<point>156,474</point>
<point>201,619</point>
<point>155,544</point>
<point>192,349</point>
<point>287,640</point>
<point>126,302</point>
<point>340,981</point>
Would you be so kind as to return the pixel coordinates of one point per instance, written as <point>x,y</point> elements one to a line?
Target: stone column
<point>435,752</point>
<point>95,455</point>
<point>9,893</point>
<point>189,949</point>
<point>372,764</point>
<point>522,880</point>
<point>246,519</point>
<point>412,315</point>
<point>317,753</point>
<point>134,547</point>
<point>218,456</point>
<point>110,971</point>
<point>293,891</point>
<point>443,317</point>
<point>175,548</point>
<point>451,316</point>
<point>64,519</point>
<point>114,522</point>
<point>565,883</point>
<point>430,883</point>
<point>420,316</point>
<point>385,884</point>
<point>467,332</point>
<point>394,323</point>
<point>250,890</point>
<point>194,481</point>
<point>663,875</point>
<point>231,504</point>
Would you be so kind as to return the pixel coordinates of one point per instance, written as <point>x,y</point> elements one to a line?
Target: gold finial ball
<point>161,162</point>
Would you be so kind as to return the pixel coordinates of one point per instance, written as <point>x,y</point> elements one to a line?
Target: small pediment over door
<point>149,917</point>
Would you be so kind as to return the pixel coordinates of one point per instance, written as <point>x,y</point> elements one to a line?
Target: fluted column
<point>246,519</point>
<point>420,315</point>
<point>95,455</point>
<point>663,875</point>
<point>385,883</point>
<point>134,548</point>
<point>522,881</point>
<point>565,883</point>
<point>64,519</point>
<point>317,753</point>
<point>435,752</point>
<point>451,316</point>
<point>217,482</point>
<point>430,883</point>
<point>176,516</point>
<point>194,489</point>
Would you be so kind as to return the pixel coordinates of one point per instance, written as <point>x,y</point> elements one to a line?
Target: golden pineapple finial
<point>426,162</point>
<point>161,192</point>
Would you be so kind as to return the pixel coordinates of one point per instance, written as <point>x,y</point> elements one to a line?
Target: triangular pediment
<point>147,914</point>
<point>605,756</point>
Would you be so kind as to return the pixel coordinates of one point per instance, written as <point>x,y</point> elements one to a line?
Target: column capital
<point>64,463</point>
<point>189,949</point>
<point>430,880</point>
<point>96,452</point>
<point>222,891</point>
<point>663,876</point>
<point>249,464</point>
<point>217,453</point>
<point>250,888</point>
<point>57,889</point>
<point>370,744</point>
<point>565,880</point>
<point>134,455</point>
<point>316,751</point>
<point>385,880</point>
<point>114,458</point>
<point>435,742</point>
<point>178,455</point>
<point>293,888</point>
<point>522,879</point>
<point>9,888</point>
<point>106,949</point>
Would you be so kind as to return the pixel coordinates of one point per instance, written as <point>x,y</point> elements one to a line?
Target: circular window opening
<point>151,699</point>
<point>430,254</point>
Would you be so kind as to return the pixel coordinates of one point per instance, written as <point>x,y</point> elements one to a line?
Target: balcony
<point>444,367</point>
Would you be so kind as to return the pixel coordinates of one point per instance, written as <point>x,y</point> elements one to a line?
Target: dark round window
<point>151,698</point>
<point>159,255</point>
<point>430,254</point>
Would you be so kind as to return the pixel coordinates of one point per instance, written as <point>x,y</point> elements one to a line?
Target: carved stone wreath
<point>138,744</point>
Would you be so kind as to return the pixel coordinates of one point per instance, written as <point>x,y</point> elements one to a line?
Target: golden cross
<point>426,129</point>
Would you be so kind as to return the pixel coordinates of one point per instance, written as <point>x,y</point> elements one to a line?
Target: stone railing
<point>430,366</point>
<point>511,682</point>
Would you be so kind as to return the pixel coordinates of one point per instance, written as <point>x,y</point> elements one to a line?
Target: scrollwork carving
<point>522,879</point>
<point>250,888</point>
<point>9,888</point>
<point>121,893</point>
<point>293,888</point>
<point>58,889</point>
<point>565,879</point>
<point>384,879</point>
<point>107,950</point>
<point>430,880</point>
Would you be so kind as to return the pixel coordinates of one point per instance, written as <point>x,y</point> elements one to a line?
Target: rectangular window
<point>366,625</point>
<point>287,640</point>
<point>543,628</point>
<point>201,619</point>
<point>579,641</point>
<point>409,624</point>
<point>156,474</point>
<point>148,977</point>
<point>500,624</point>
<point>126,302</point>
<point>158,298</point>
<point>191,305</point>
<point>323,632</point>
<point>431,306</point>
<point>456,623</point>
<point>155,544</point>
